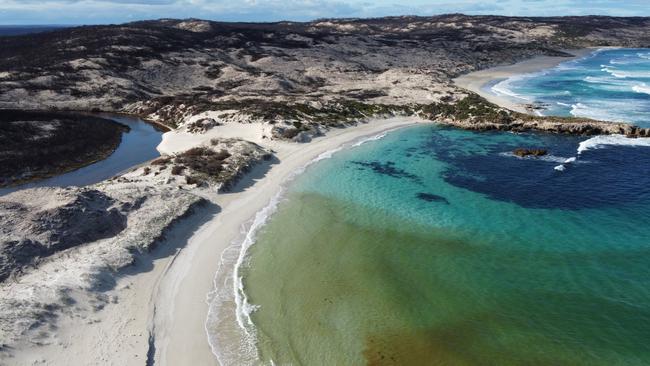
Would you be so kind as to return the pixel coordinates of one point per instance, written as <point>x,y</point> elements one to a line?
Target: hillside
<point>172,69</point>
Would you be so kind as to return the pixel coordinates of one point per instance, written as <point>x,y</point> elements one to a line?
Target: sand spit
<point>136,292</point>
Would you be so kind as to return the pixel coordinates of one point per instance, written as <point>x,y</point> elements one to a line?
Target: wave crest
<point>643,88</point>
<point>232,335</point>
<point>601,141</point>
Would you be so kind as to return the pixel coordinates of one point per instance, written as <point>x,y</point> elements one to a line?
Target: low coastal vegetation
<point>476,113</point>
<point>63,245</point>
<point>219,164</point>
<point>470,111</point>
<point>174,111</point>
<point>297,79</point>
<point>36,144</point>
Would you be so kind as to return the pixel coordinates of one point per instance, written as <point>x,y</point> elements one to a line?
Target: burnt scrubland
<point>328,72</point>
<point>36,145</point>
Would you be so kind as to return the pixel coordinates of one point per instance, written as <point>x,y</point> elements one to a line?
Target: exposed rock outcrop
<point>475,113</point>
<point>522,152</point>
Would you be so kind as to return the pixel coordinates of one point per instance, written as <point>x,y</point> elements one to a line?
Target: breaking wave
<point>644,55</point>
<point>232,335</point>
<point>624,74</point>
<point>504,88</point>
<point>643,88</point>
<point>547,158</point>
<point>589,111</point>
<point>601,141</point>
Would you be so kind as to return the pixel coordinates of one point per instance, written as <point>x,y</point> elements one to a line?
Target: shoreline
<point>128,140</point>
<point>476,81</point>
<point>185,286</point>
<point>163,308</point>
<point>160,304</point>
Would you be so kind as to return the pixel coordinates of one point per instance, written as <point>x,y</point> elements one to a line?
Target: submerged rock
<point>430,197</point>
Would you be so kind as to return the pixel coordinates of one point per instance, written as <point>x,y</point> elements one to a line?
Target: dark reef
<point>388,168</point>
<point>430,197</point>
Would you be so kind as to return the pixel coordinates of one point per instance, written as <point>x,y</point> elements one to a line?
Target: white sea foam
<point>609,83</point>
<point>573,64</point>
<point>642,88</point>
<point>581,110</point>
<point>606,80</point>
<point>601,141</point>
<point>644,55</point>
<point>618,61</point>
<point>567,161</point>
<point>624,74</point>
<point>608,112</point>
<point>547,158</point>
<point>229,284</point>
<point>373,138</point>
<point>596,80</point>
<point>504,88</point>
<point>628,60</point>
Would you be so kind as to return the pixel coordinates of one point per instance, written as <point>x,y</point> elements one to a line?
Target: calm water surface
<point>437,246</point>
<point>137,146</point>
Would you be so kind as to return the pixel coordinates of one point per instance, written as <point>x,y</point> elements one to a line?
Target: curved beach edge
<point>181,300</point>
<point>477,81</point>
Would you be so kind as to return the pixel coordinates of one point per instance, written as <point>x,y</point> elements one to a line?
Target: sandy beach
<point>476,81</point>
<point>159,315</point>
<point>184,286</point>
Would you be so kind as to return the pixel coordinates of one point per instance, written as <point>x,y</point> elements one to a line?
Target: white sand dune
<point>181,304</point>
<point>162,308</point>
<point>161,313</point>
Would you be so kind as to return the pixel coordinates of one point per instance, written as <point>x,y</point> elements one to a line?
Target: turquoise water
<point>437,246</point>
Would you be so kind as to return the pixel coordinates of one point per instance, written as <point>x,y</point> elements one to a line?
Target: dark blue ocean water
<point>438,246</point>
